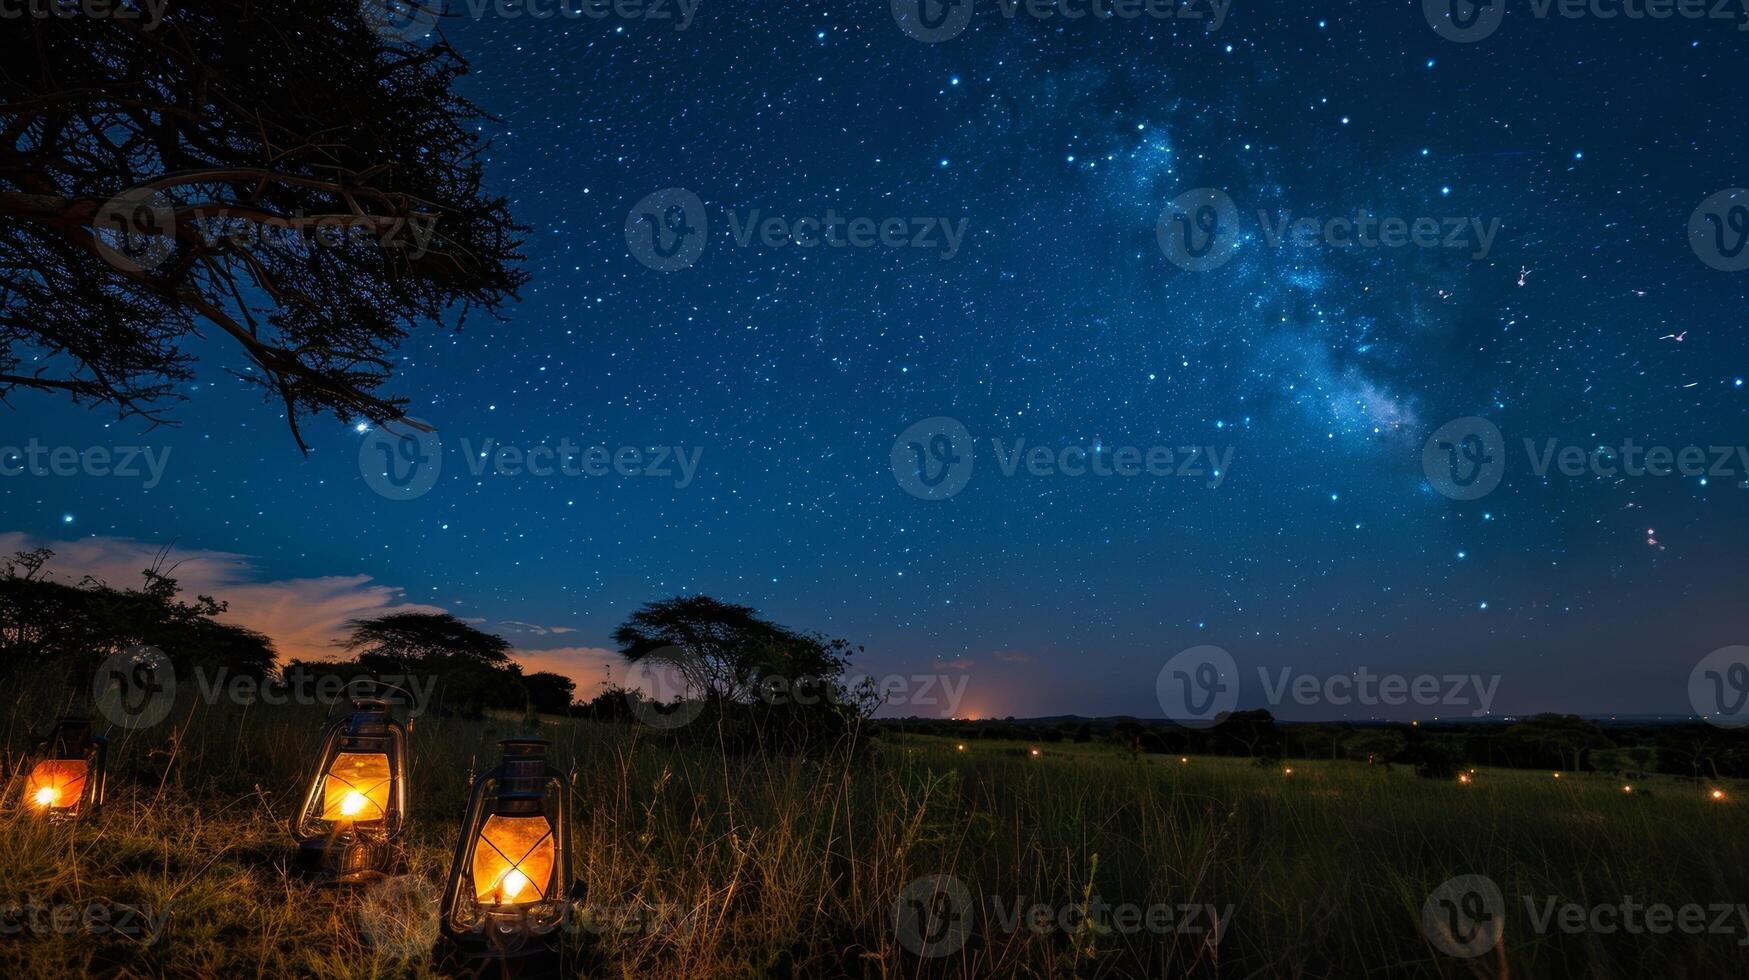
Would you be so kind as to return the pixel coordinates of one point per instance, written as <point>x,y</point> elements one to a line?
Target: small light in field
<point>1184,759</point>
<point>1557,775</point>
<point>1288,771</point>
<point>47,796</point>
<point>1034,753</point>
<point>961,747</point>
<point>1464,777</point>
<point>1718,795</point>
<point>1414,724</point>
<point>1627,789</point>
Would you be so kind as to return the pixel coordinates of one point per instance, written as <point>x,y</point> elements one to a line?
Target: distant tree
<point>1562,739</point>
<point>472,667</point>
<point>275,170</point>
<point>549,693</point>
<point>726,649</point>
<point>767,685</point>
<point>1372,744</point>
<point>1252,733</point>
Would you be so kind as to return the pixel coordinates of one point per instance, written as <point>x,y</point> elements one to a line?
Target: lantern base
<point>531,958</point>
<point>346,858</point>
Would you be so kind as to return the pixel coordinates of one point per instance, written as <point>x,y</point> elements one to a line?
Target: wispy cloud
<point>306,617</point>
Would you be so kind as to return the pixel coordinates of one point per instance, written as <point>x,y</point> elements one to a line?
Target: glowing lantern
<point>1288,771</point>
<point>352,816</point>
<point>1718,795</point>
<point>67,776</point>
<point>1627,789</point>
<point>1034,753</point>
<point>511,875</point>
<point>1464,777</point>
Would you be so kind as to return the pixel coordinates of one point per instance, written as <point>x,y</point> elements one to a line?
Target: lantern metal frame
<point>522,785</point>
<point>71,740</point>
<point>356,850</point>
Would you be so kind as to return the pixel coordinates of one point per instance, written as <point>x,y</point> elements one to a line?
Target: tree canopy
<point>280,172</point>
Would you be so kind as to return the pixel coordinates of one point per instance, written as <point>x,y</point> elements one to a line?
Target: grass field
<point>701,865</point>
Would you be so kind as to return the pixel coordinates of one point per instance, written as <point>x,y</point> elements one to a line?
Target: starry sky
<point>1059,321</point>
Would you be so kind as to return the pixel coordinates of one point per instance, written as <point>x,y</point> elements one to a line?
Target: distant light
<point>1288,771</point>
<point>66,518</point>
<point>1464,777</point>
<point>952,81</point>
<point>1445,191</point>
<point>1184,759</point>
<point>1627,789</point>
<point>943,161</point>
<point>1718,795</point>
<point>1035,753</point>
<point>361,427</point>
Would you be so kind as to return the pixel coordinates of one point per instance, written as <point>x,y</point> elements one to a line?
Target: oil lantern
<point>353,814</point>
<point>509,882</point>
<point>67,773</point>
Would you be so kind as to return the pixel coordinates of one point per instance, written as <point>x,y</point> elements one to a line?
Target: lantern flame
<point>48,796</point>
<point>353,804</point>
<point>513,884</point>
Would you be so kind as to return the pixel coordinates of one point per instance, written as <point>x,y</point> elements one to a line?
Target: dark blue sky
<point>1059,321</point>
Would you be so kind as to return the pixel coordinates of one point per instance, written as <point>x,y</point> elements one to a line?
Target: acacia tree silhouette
<point>281,171</point>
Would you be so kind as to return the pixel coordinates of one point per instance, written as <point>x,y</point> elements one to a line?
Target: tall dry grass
<point>700,863</point>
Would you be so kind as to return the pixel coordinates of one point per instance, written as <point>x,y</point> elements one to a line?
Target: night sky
<point>1060,321</point>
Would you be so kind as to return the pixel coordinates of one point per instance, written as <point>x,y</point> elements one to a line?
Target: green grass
<point>701,865</point>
